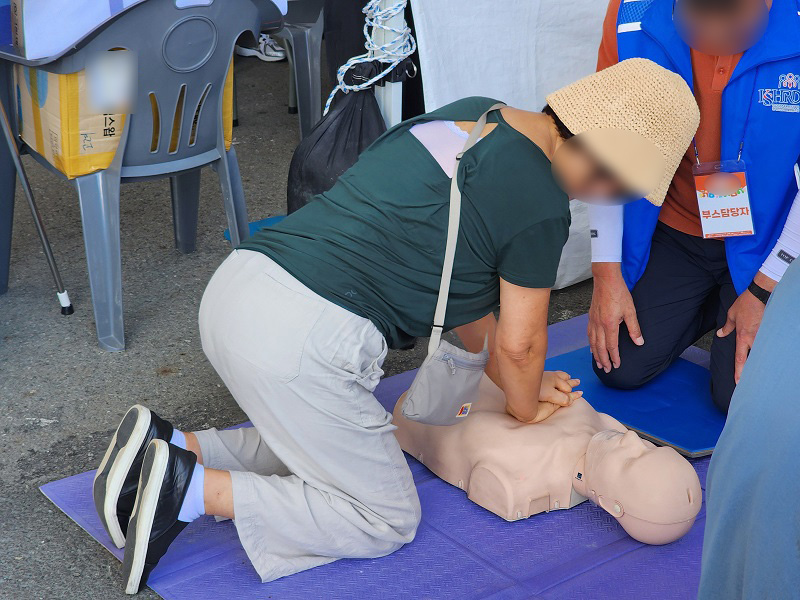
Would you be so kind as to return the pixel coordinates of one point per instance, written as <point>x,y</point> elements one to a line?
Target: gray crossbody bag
<point>447,383</point>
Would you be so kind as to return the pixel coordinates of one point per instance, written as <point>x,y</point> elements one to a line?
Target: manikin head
<point>653,492</point>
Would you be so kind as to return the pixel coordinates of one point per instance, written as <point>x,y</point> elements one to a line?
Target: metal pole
<point>63,296</point>
<point>389,95</point>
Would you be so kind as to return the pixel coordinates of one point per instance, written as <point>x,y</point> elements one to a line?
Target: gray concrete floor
<point>61,396</point>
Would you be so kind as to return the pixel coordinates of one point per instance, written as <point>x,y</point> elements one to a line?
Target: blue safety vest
<point>763,97</point>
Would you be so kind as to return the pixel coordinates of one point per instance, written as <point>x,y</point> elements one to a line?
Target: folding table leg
<point>8,184</point>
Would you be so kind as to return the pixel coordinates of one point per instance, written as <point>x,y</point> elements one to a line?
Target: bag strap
<point>452,234</point>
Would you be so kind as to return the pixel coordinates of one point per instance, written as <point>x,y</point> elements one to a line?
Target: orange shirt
<point>711,75</point>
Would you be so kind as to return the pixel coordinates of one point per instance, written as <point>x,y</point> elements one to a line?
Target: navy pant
<point>685,292</point>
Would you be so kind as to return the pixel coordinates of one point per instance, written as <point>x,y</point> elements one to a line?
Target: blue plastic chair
<point>183,56</point>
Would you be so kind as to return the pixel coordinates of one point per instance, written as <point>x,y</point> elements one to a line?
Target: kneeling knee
<point>406,517</point>
<point>409,520</point>
<point>722,395</point>
<point>622,378</point>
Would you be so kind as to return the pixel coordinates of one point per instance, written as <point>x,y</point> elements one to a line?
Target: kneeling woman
<point>298,320</point>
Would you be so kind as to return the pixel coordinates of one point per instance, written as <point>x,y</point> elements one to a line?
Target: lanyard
<point>746,122</point>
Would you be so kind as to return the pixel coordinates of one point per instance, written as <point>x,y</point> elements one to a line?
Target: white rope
<point>391,53</point>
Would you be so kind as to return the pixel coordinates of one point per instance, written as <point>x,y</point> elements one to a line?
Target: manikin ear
<point>612,507</point>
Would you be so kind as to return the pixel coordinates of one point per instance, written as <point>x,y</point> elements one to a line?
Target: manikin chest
<point>512,469</point>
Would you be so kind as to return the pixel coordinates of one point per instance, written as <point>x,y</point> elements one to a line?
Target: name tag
<point>723,199</point>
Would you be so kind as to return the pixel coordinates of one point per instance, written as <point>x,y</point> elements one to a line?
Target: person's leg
<point>303,370</point>
<point>240,449</point>
<point>752,530</point>
<point>671,300</point>
<point>723,350</point>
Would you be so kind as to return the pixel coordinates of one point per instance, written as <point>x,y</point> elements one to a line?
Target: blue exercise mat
<point>675,409</point>
<point>461,551</point>
<point>255,225</point>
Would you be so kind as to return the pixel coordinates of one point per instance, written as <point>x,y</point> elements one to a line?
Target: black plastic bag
<point>333,146</point>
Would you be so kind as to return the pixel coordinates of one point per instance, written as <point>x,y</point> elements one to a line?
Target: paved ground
<point>61,396</point>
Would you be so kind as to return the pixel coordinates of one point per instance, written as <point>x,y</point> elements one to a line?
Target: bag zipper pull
<point>452,364</point>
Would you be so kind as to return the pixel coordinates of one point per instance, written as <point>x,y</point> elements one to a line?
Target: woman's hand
<point>544,410</point>
<point>557,388</point>
<point>556,391</point>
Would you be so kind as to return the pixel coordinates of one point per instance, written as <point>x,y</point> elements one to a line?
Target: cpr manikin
<point>517,470</point>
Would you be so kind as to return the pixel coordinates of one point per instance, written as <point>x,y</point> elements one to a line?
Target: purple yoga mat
<point>461,550</point>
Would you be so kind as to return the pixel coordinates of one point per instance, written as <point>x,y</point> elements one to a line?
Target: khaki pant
<point>320,476</point>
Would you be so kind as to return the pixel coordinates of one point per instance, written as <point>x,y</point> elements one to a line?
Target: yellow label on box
<point>54,120</point>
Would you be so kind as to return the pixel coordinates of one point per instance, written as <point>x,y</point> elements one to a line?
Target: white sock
<point>194,503</point>
<point>178,439</point>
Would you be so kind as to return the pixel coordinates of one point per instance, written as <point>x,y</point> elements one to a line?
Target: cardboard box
<point>54,120</point>
<point>42,28</point>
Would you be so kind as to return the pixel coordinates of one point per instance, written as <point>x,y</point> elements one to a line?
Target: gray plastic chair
<point>184,55</point>
<point>302,38</point>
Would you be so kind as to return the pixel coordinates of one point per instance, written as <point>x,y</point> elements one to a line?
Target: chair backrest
<point>184,55</point>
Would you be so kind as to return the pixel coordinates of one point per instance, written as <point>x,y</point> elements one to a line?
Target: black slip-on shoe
<point>154,525</point>
<point>117,476</point>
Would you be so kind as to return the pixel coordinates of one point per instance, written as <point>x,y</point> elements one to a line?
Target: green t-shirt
<point>374,244</point>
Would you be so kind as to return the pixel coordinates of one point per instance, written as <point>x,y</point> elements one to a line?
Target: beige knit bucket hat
<point>652,111</point>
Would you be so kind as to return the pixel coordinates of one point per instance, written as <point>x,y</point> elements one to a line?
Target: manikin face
<point>723,29</point>
<point>653,492</point>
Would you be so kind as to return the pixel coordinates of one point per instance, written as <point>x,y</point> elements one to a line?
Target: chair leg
<point>285,42</point>
<point>233,196</point>
<point>99,200</point>
<point>185,190</point>
<point>292,104</point>
<point>8,183</point>
<point>307,47</point>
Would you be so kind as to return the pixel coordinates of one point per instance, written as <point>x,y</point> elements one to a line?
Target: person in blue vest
<point>709,258</point>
